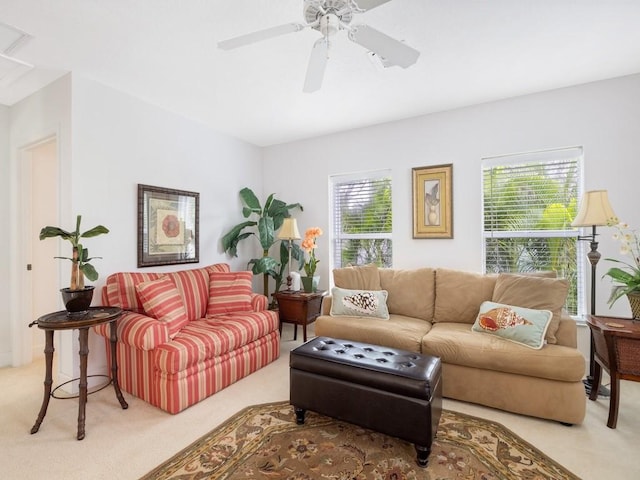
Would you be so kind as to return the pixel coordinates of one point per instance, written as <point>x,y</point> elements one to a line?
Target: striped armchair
<point>186,335</point>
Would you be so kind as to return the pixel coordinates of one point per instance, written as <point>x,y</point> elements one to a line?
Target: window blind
<point>529,202</point>
<point>362,219</point>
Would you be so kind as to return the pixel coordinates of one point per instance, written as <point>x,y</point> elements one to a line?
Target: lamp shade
<point>595,209</point>
<point>289,230</point>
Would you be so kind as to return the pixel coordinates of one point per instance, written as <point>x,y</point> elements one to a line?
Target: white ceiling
<point>472,51</point>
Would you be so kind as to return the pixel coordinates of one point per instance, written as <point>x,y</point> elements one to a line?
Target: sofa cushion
<point>398,331</point>
<point>411,292</point>
<point>525,326</point>
<point>229,292</point>
<point>194,286</point>
<point>459,295</point>
<point>359,303</point>
<point>162,300</point>
<point>533,292</point>
<point>206,339</point>
<point>457,344</point>
<point>363,277</point>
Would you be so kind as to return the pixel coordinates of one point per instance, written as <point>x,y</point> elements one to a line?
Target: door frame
<point>21,344</point>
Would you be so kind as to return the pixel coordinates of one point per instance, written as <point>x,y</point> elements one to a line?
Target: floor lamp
<point>289,232</point>
<point>595,211</point>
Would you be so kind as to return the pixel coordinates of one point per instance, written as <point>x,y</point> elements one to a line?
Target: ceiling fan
<point>329,17</point>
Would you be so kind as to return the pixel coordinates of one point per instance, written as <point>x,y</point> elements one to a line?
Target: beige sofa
<point>432,311</point>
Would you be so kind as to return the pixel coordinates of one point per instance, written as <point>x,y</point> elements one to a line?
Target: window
<point>529,202</point>
<point>361,219</point>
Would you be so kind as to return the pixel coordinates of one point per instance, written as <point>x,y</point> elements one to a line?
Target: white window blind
<point>361,219</point>
<point>529,202</point>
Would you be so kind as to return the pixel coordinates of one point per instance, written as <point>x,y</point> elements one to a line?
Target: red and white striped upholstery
<point>206,355</point>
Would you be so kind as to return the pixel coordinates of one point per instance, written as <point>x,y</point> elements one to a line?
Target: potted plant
<point>265,223</point>
<point>77,297</point>
<point>310,282</point>
<point>628,276</point>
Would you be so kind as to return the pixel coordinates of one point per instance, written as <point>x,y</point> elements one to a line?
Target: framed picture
<point>168,226</point>
<point>432,201</point>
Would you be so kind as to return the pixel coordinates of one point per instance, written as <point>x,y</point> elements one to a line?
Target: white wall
<point>603,117</point>
<point>118,142</point>
<point>5,255</point>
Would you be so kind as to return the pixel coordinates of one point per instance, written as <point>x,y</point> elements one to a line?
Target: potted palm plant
<point>77,297</point>
<point>263,223</point>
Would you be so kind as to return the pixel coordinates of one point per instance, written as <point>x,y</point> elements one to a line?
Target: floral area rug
<point>264,442</point>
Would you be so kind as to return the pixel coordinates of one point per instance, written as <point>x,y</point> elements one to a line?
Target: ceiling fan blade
<point>393,51</point>
<point>369,4</point>
<point>317,65</point>
<point>260,35</point>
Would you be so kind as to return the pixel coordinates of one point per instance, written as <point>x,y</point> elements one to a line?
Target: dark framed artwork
<point>168,226</point>
<point>432,201</point>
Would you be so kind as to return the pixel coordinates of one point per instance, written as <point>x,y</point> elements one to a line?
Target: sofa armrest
<point>137,330</point>
<point>567,333</point>
<point>326,305</point>
<point>259,302</point>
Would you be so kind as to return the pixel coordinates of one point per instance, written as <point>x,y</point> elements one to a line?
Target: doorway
<point>40,194</point>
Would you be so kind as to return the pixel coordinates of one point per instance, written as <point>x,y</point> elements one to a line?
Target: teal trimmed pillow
<point>525,326</point>
<point>359,303</point>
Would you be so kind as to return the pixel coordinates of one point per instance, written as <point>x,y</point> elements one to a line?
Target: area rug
<point>263,441</point>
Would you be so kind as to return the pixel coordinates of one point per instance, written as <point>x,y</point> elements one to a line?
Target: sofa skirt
<point>176,391</point>
<point>537,397</point>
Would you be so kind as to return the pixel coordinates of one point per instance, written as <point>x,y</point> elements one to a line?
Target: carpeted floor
<point>264,441</point>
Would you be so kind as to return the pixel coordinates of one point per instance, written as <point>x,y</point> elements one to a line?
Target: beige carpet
<point>126,444</point>
<point>264,441</point>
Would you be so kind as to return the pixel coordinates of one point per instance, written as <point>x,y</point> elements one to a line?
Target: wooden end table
<point>617,350</point>
<point>299,308</point>
<point>62,320</point>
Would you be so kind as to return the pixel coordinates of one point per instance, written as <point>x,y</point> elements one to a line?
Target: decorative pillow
<point>533,292</point>
<point>162,300</point>
<point>525,326</point>
<point>359,303</point>
<point>229,292</point>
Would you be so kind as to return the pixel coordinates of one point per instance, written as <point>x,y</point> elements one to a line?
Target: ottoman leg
<point>299,415</point>
<point>422,455</point>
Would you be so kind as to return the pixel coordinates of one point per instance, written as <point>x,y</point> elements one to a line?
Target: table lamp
<point>595,210</point>
<point>289,232</point>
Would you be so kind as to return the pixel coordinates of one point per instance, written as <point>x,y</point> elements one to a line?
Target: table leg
<point>614,401</point>
<point>48,379</point>
<point>82,403</point>
<point>295,331</point>
<point>595,381</point>
<point>304,332</point>
<point>114,365</point>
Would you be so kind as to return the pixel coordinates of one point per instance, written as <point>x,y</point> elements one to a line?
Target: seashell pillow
<point>359,303</point>
<point>525,326</point>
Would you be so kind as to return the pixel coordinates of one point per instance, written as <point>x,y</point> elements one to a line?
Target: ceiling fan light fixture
<point>329,24</point>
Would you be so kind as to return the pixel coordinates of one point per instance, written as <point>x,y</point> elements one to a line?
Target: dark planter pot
<point>77,301</point>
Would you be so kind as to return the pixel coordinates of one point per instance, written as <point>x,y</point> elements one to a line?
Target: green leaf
<point>95,231</point>
<point>49,232</point>
<point>88,271</point>
<point>266,232</point>
<point>230,239</point>
<point>263,265</point>
<point>251,201</point>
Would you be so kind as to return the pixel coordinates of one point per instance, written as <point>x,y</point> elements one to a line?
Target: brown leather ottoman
<point>395,392</point>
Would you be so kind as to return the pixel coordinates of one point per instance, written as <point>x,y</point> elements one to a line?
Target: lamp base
<point>588,385</point>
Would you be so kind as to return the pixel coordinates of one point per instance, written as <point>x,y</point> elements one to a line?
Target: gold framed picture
<point>432,201</point>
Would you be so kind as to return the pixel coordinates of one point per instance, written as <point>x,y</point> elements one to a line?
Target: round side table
<point>62,320</point>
